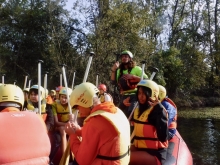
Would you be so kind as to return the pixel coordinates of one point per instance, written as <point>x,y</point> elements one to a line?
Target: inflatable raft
<point>26,132</point>
<point>178,153</point>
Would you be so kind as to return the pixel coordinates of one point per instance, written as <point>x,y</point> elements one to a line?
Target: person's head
<point>33,93</point>
<point>63,93</point>
<point>126,62</point>
<point>84,95</point>
<point>126,56</point>
<point>57,91</point>
<point>52,93</point>
<point>11,96</point>
<point>26,91</point>
<point>102,88</point>
<point>162,92</point>
<point>147,89</point>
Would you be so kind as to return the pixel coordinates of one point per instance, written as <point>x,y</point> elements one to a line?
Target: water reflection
<point>202,138</point>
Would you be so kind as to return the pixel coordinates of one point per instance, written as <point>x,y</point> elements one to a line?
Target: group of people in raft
<point>102,132</point>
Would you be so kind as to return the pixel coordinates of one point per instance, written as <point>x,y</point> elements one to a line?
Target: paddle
<point>116,97</point>
<point>29,83</point>
<point>39,85</point>
<point>74,75</point>
<point>25,81</point>
<point>97,80</point>
<point>61,80</point>
<point>155,70</point>
<point>65,83</point>
<point>3,78</point>
<point>88,66</point>
<point>45,84</point>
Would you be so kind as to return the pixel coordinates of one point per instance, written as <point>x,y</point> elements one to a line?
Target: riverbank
<point>203,113</point>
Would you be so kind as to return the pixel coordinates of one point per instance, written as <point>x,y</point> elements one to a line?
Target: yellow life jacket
<point>31,107</point>
<point>145,133</point>
<point>43,108</point>
<point>121,125</point>
<point>62,113</point>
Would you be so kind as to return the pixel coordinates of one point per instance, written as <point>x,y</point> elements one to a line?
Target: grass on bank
<point>203,113</point>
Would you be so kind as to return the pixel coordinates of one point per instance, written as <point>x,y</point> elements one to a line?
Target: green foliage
<point>185,51</point>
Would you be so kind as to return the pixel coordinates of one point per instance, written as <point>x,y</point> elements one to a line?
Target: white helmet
<point>11,95</point>
<point>64,92</point>
<point>162,92</point>
<point>83,95</point>
<point>41,90</point>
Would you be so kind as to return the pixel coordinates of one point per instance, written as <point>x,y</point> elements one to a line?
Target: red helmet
<point>102,87</point>
<point>58,88</point>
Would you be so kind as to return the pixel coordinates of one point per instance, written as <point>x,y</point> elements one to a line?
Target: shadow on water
<point>202,138</point>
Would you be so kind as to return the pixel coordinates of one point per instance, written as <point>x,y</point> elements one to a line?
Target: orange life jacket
<point>145,133</point>
<point>24,138</point>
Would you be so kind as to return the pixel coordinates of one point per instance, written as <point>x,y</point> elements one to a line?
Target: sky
<point>69,4</point>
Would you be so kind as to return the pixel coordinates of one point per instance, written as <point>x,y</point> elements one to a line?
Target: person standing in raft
<point>126,75</point>
<point>150,127</point>
<point>105,133</point>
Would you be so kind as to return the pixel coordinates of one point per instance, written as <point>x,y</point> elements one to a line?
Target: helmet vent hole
<point>84,101</point>
<point>16,98</point>
<point>4,97</point>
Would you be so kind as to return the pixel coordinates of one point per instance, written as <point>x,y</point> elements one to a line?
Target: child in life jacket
<point>150,127</point>
<point>46,109</point>
<point>171,108</point>
<point>103,95</point>
<point>61,115</point>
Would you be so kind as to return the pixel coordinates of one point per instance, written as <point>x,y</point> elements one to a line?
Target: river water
<point>202,137</point>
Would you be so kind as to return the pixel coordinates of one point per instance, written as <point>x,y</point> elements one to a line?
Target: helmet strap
<point>10,104</point>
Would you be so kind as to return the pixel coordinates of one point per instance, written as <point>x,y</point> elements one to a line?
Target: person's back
<point>24,138</point>
<point>105,131</point>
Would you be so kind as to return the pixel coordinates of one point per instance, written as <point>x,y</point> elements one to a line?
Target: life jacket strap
<point>141,122</point>
<point>114,158</point>
<point>145,138</point>
<point>62,113</point>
